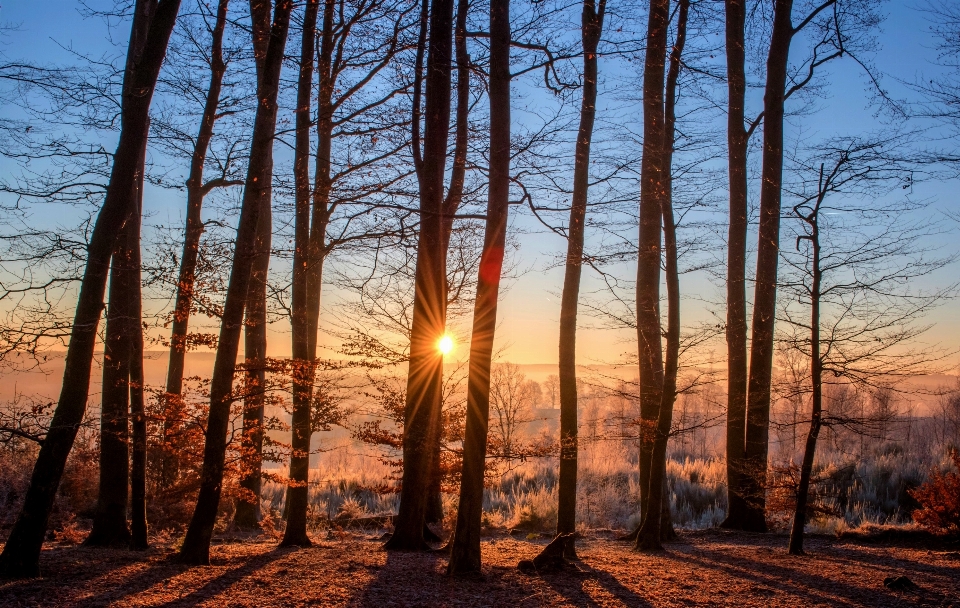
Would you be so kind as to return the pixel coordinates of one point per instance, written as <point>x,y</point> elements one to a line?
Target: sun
<point>445,345</point>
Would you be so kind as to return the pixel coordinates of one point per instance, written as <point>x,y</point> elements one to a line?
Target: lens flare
<point>445,345</point>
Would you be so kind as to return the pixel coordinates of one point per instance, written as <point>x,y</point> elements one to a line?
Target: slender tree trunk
<point>765,299</point>
<point>196,545</point>
<point>21,554</point>
<point>196,190</point>
<point>247,513</point>
<point>138,416</point>
<point>737,139</point>
<point>425,376</point>
<point>653,530</point>
<point>653,175</point>
<point>110,520</point>
<point>450,206</point>
<point>303,367</point>
<point>465,552</point>
<point>816,378</point>
<point>591,29</point>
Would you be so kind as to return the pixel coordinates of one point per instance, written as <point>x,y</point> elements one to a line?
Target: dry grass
<point>703,569</point>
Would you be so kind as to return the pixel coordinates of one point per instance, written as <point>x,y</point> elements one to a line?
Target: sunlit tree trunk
<point>196,545</point>
<point>21,554</point>
<point>196,190</point>
<point>591,28</point>
<point>450,206</point>
<point>465,551</point>
<point>425,375</point>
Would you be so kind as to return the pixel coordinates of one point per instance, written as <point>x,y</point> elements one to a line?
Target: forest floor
<point>710,568</point>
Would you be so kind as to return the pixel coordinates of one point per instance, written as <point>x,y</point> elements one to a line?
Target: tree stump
<point>551,559</point>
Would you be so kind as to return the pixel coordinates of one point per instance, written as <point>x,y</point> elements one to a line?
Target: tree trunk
<point>765,299</point>
<point>247,514</point>
<point>247,508</point>
<point>736,330</point>
<point>21,554</point>
<point>816,378</point>
<point>425,376</point>
<point>450,206</point>
<point>110,520</point>
<point>652,529</point>
<point>652,177</point>
<point>138,416</point>
<point>465,552</point>
<point>196,545</point>
<point>591,29</point>
<point>173,413</point>
<point>303,366</point>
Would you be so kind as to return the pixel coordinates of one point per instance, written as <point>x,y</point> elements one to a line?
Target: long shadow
<point>885,562</point>
<point>214,586</point>
<point>59,564</point>
<point>570,585</point>
<point>395,575</point>
<point>789,580</point>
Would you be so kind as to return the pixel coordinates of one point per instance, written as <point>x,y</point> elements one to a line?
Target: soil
<point>712,568</point>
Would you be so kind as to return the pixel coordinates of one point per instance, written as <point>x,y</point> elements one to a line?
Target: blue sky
<point>530,309</point>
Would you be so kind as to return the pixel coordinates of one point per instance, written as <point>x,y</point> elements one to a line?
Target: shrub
<point>939,498</point>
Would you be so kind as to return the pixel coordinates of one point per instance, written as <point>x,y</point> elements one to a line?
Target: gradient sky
<point>530,309</point>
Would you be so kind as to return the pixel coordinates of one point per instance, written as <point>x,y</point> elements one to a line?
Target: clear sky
<point>42,31</point>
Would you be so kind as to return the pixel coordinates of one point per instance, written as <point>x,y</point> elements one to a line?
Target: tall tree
<point>21,554</point>
<point>657,513</point>
<point>303,368</point>
<point>196,544</point>
<point>247,514</point>
<point>465,550</point>
<point>110,520</point>
<point>138,415</point>
<point>738,136</point>
<point>653,176</point>
<point>197,189</point>
<point>425,375</point>
<point>591,29</point>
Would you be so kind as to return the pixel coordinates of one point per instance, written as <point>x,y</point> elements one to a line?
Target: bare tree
<point>153,23</point>
<point>852,272</point>
<point>591,30</point>
<point>196,545</point>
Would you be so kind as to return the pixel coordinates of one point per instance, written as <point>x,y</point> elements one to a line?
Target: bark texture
<point>465,550</point>
<point>652,178</point>
<point>754,478</point>
<point>656,524</point>
<point>296,530</point>
<point>591,29</point>
<point>425,375</point>
<point>736,330</point>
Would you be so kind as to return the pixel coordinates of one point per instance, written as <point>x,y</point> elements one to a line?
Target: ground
<point>711,568</point>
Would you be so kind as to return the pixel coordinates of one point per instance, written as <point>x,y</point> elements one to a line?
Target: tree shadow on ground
<point>573,581</point>
<point>68,570</point>
<point>805,582</point>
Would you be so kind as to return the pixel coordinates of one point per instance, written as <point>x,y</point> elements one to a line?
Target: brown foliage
<point>939,498</point>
